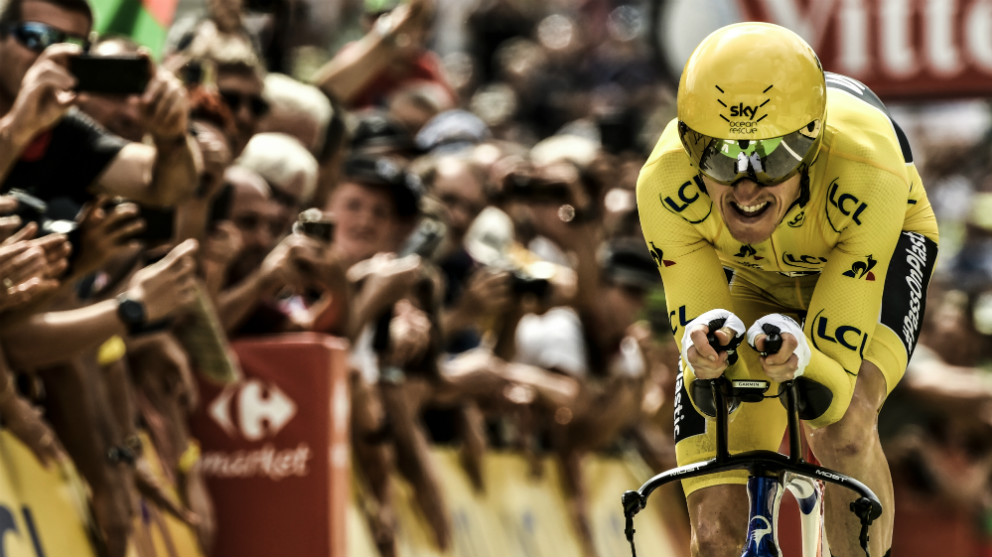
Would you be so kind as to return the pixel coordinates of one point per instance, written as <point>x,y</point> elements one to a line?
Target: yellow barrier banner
<point>158,533</point>
<point>43,511</point>
<point>520,514</point>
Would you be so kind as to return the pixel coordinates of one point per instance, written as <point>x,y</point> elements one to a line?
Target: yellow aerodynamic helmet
<point>752,101</point>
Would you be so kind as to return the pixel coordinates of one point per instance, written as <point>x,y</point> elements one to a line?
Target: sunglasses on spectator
<point>251,222</point>
<point>256,104</point>
<point>452,200</point>
<point>36,36</point>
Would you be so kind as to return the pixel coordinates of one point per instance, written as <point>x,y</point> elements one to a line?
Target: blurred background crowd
<point>447,185</point>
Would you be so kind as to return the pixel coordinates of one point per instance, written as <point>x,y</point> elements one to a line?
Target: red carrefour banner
<point>900,48</point>
<point>275,448</point>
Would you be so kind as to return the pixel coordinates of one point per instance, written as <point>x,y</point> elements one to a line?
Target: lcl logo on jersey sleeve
<point>848,336</point>
<point>688,194</point>
<point>842,206</point>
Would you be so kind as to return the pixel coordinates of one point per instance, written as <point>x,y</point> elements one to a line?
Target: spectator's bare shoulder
<point>128,173</point>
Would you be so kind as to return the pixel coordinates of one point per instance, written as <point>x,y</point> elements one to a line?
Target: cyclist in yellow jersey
<point>786,196</point>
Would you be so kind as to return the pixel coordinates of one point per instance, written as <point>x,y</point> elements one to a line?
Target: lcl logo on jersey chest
<point>803,261</point>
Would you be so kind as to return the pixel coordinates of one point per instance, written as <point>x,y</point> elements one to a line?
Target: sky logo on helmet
<point>743,118</point>
<point>748,112</point>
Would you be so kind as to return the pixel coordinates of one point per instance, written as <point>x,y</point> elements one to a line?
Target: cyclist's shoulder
<point>666,157</point>
<point>667,180</point>
<point>860,130</point>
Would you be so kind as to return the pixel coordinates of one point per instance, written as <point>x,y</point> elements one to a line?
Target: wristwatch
<point>131,312</point>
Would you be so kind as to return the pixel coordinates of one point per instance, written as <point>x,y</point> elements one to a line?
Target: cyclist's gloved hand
<point>704,361</point>
<point>790,361</point>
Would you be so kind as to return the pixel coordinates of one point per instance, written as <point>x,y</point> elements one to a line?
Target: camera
<point>29,207</point>
<point>313,223</point>
<point>160,225</point>
<point>191,73</point>
<point>522,283</point>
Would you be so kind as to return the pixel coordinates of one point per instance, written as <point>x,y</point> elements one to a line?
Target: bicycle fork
<point>809,495</point>
<point>765,496</point>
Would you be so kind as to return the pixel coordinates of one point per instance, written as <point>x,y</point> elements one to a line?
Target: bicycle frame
<point>768,471</point>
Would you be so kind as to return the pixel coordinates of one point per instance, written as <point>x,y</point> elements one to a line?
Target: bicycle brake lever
<point>864,507</point>
<point>866,510</point>
<point>633,502</point>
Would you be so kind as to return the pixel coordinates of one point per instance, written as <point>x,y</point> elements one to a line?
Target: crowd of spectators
<point>466,221</point>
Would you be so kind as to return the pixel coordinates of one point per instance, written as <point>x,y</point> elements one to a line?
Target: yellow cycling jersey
<point>827,261</point>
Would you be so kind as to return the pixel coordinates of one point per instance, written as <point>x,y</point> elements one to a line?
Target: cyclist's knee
<point>707,546</point>
<point>719,520</point>
<point>836,442</point>
<point>855,434</point>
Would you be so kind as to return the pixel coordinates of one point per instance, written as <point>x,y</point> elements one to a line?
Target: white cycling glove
<point>778,323</point>
<point>729,320</point>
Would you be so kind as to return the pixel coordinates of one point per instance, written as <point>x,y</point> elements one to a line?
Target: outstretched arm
<point>168,172</point>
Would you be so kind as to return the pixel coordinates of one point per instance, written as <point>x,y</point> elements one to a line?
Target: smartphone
<point>123,74</point>
<point>160,225</point>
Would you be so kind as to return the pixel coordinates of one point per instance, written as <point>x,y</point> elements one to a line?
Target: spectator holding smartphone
<point>275,276</point>
<point>288,168</point>
<point>119,114</point>
<point>54,150</point>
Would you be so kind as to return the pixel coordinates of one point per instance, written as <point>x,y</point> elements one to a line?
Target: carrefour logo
<point>252,409</point>
<point>255,410</point>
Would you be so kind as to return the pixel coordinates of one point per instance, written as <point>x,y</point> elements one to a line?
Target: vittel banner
<point>899,48</point>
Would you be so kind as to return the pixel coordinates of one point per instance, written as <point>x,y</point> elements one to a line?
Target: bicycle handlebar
<point>758,462</point>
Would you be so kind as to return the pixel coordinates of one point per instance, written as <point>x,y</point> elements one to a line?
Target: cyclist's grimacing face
<point>751,212</point>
